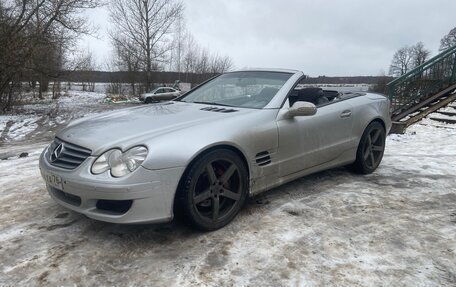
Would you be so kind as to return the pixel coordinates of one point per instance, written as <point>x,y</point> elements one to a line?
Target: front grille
<point>66,155</point>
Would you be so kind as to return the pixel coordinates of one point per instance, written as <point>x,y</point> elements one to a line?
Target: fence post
<point>453,78</point>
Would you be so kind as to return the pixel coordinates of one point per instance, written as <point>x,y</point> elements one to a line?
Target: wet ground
<point>396,227</point>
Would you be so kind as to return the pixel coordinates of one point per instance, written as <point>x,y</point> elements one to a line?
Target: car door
<point>176,93</point>
<point>309,141</point>
<point>158,94</point>
<point>170,93</point>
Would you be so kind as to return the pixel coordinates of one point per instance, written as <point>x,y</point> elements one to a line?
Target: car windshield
<point>239,89</point>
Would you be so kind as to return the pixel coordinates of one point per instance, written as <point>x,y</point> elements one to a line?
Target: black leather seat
<point>312,95</point>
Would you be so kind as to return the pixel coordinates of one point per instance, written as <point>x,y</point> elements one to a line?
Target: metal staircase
<point>423,90</point>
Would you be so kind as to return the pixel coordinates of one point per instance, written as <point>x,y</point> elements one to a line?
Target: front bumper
<point>144,196</point>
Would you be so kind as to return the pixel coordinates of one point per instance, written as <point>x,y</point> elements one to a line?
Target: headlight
<point>119,163</point>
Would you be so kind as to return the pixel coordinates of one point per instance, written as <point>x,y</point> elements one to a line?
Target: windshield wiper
<point>213,103</point>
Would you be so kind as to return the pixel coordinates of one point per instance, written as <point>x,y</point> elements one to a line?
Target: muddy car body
<point>202,154</point>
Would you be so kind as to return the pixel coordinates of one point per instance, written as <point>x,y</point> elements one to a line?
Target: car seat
<point>312,95</point>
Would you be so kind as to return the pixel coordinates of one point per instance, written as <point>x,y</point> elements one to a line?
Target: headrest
<point>310,94</point>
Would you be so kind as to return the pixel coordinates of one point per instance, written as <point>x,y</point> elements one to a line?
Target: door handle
<point>345,114</point>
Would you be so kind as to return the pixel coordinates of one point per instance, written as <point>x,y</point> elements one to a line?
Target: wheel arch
<point>377,119</point>
<point>206,150</point>
<point>357,166</point>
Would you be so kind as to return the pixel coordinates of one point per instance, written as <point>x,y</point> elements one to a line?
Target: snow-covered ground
<point>39,119</point>
<point>395,227</point>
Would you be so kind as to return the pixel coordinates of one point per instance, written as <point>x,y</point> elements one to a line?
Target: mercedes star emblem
<point>57,152</point>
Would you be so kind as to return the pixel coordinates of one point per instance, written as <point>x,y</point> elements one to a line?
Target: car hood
<point>132,126</point>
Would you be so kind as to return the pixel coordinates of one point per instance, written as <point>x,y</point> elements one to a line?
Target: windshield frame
<point>185,95</point>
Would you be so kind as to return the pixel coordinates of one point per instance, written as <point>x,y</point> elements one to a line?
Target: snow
<point>39,118</point>
<point>20,127</point>
<point>394,227</point>
<point>448,109</point>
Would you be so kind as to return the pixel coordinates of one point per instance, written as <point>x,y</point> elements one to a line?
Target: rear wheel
<point>213,190</point>
<point>371,148</point>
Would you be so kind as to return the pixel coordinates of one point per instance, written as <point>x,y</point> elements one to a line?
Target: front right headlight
<point>120,164</point>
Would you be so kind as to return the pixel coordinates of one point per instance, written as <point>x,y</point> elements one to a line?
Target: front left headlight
<point>119,163</point>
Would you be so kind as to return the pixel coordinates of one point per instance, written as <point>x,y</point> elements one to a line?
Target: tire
<point>213,190</point>
<point>148,101</point>
<point>370,150</point>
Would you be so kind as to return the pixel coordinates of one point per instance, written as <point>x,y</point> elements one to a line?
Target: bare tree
<point>190,54</point>
<point>449,40</point>
<point>402,61</point>
<point>419,54</point>
<point>381,83</point>
<point>26,27</point>
<point>199,60</point>
<point>220,64</point>
<point>115,85</point>
<point>127,58</point>
<point>177,53</point>
<point>203,62</point>
<point>187,56</point>
<point>146,24</point>
<point>86,62</point>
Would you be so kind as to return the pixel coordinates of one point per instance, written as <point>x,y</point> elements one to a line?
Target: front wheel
<point>371,148</point>
<point>213,190</point>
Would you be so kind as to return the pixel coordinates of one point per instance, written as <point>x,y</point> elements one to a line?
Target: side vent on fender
<point>263,158</point>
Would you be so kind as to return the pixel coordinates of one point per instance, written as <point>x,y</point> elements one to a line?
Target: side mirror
<point>299,109</point>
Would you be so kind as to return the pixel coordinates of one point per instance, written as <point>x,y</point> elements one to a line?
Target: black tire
<point>370,149</point>
<point>148,101</point>
<point>213,190</point>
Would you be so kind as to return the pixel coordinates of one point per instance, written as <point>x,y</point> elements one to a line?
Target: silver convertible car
<point>202,154</point>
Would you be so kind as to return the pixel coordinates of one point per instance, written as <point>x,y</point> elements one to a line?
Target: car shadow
<point>162,234</point>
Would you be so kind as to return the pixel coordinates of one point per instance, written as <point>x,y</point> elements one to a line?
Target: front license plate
<point>53,180</point>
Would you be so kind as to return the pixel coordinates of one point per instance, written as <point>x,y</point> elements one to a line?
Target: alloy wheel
<point>217,190</point>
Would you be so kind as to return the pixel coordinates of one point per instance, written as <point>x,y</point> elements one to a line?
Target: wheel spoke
<point>215,207</point>
<point>366,153</point>
<point>377,148</point>
<point>369,140</point>
<point>230,194</point>
<point>372,159</point>
<point>228,173</point>
<point>376,136</point>
<point>202,196</point>
<point>211,173</point>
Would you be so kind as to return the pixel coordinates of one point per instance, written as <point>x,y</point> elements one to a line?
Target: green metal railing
<point>422,82</point>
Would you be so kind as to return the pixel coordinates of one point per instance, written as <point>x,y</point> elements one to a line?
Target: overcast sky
<point>333,38</point>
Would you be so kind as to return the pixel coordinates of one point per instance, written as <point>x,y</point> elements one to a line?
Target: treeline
<point>126,77</point>
<point>150,36</point>
<point>371,80</point>
<point>36,37</point>
<point>193,78</point>
<point>37,40</point>
<point>409,57</point>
